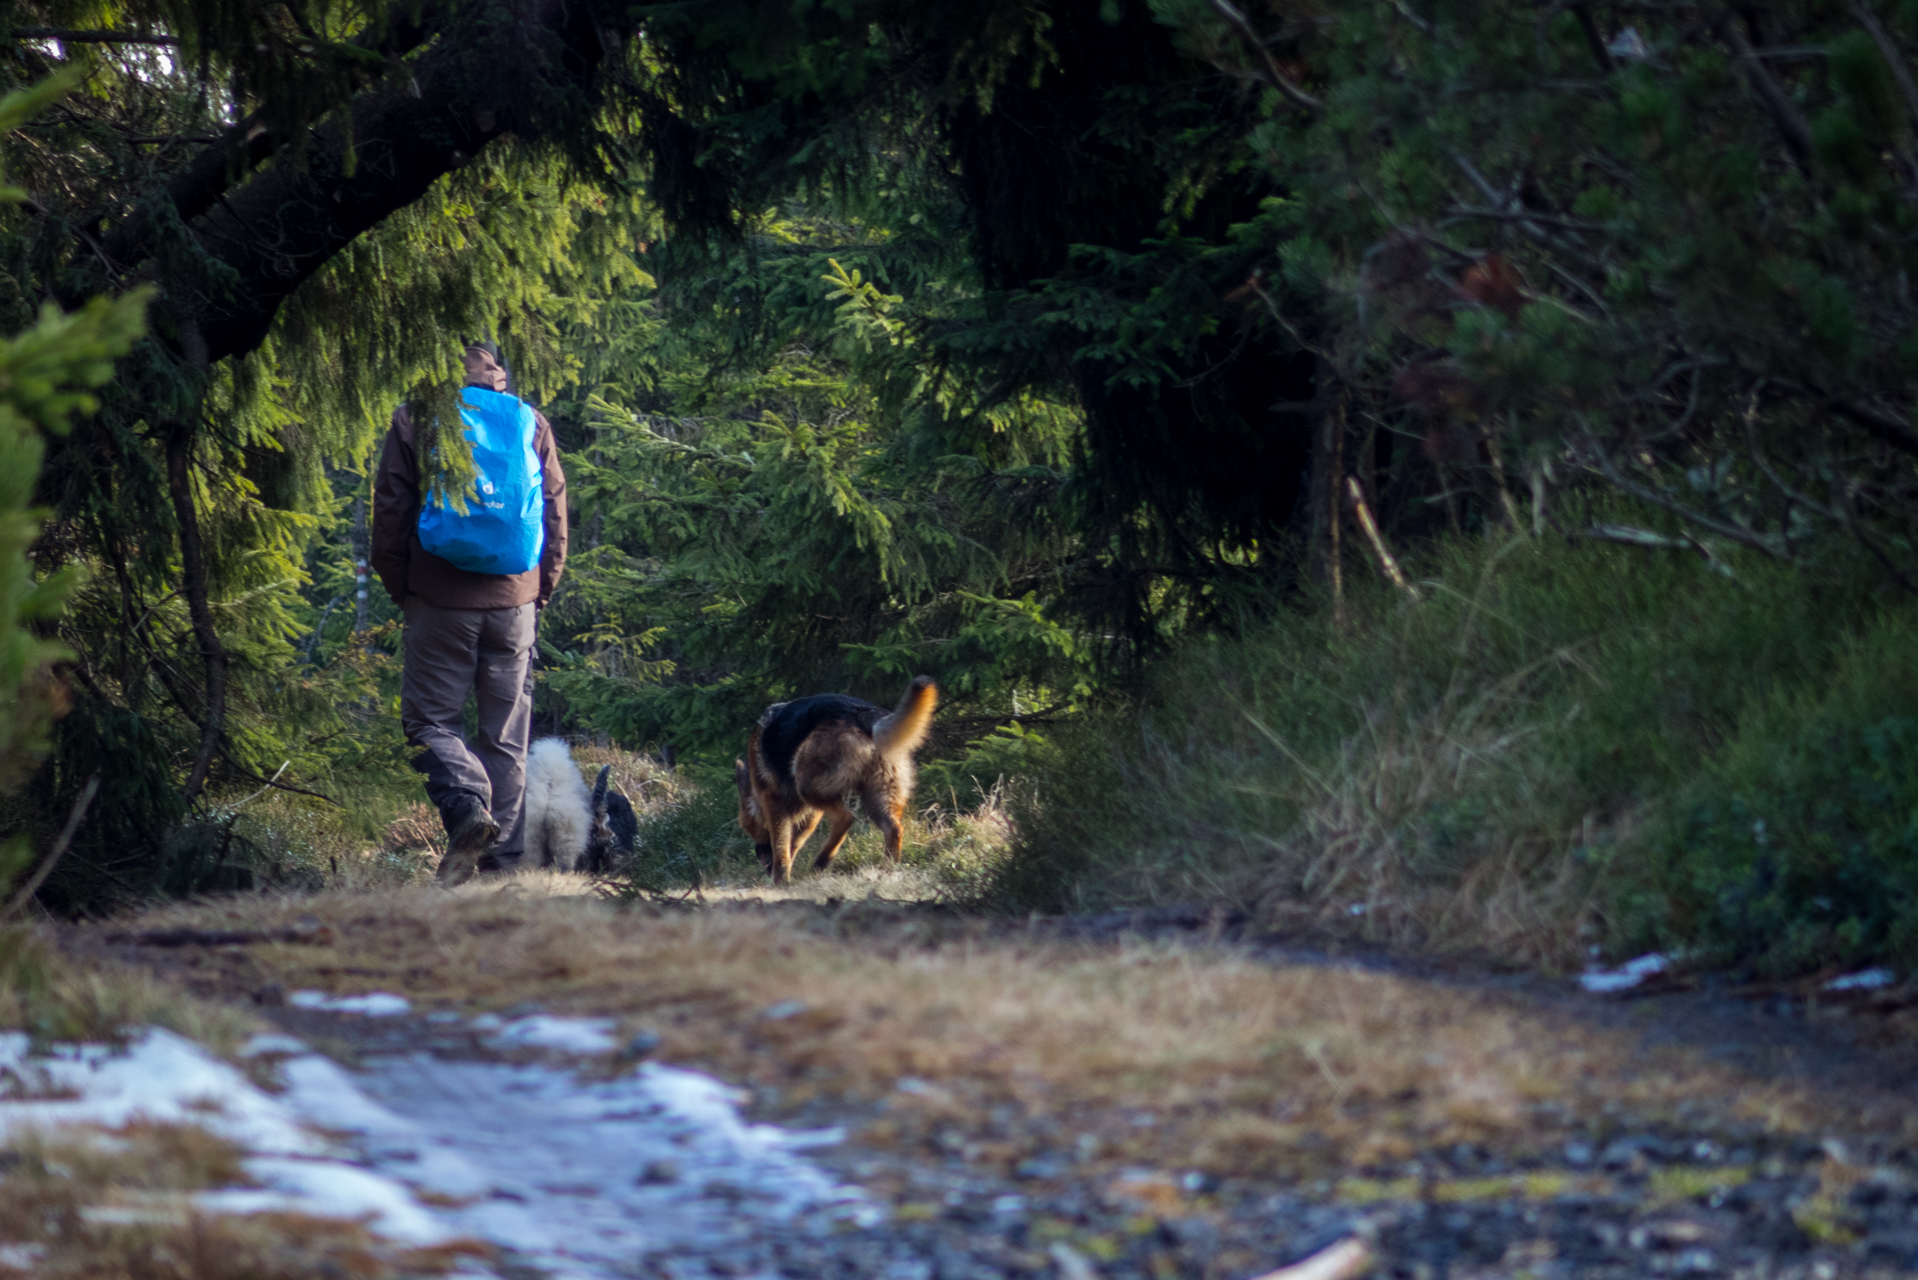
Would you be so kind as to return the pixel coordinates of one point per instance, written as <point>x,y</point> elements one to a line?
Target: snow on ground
<point>169,1079</point>
<point>577,1178</point>
<point>377,1005</point>
<point>1626,976</point>
<point>569,1035</point>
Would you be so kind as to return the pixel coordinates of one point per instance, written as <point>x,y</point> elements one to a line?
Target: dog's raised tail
<point>901,732</point>
<point>599,793</point>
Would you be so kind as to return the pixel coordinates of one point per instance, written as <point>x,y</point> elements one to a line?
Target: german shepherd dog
<point>806,757</point>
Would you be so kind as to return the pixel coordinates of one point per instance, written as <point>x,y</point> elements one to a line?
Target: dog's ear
<point>599,791</point>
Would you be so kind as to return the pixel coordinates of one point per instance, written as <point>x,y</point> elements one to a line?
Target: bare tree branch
<point>1791,123</point>
<point>1269,65</point>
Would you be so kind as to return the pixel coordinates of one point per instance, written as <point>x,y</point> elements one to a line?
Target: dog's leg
<point>803,827</point>
<point>887,809</point>
<point>835,834</point>
<point>782,841</point>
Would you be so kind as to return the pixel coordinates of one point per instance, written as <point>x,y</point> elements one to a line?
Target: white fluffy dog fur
<point>559,809</point>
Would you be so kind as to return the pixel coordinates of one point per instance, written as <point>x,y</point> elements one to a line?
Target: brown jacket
<point>406,567</point>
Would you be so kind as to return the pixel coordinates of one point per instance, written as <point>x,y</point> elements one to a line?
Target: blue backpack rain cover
<point>504,529</point>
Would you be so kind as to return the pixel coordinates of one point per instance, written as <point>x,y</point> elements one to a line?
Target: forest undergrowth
<point>1550,747</point>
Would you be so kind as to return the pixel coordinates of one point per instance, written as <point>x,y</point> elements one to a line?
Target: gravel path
<point>610,1191</point>
<point>585,1181</point>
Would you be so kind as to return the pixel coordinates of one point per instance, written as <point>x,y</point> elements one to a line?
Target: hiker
<point>471,586</point>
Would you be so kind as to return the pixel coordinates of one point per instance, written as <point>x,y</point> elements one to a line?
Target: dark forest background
<point>1442,466</point>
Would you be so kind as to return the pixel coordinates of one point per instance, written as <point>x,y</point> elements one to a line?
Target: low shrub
<point>1561,744</point>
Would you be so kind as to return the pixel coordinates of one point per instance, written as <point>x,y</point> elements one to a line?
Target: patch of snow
<point>488,1022</point>
<point>169,1079</point>
<point>377,1004</point>
<point>161,1077</point>
<point>548,1167</point>
<point>784,1009</point>
<point>21,1257</point>
<point>551,1168</point>
<point>1626,976</point>
<point>568,1035</point>
<point>1865,980</point>
<point>267,1046</point>
<point>335,1190</point>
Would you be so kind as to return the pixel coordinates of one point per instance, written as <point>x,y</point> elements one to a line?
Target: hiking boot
<point>470,830</point>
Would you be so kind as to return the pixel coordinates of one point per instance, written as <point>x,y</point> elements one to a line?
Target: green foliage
<point>48,375</point>
<point>779,504</point>
<point>1795,850</point>
<point>1555,748</point>
<point>1643,266</point>
<point>693,841</point>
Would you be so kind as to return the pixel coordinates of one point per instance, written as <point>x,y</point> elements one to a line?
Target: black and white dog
<point>567,827</point>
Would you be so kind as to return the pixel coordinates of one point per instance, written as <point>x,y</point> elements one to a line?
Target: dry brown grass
<point>642,779</point>
<point>103,1206</point>
<point>54,998</point>
<point>1019,1045</point>
<point>415,829</point>
<point>1361,844</point>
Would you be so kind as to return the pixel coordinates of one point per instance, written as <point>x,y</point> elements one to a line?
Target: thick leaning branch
<point>289,221</point>
<point>242,148</point>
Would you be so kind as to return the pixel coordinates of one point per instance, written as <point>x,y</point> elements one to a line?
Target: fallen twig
<point>1636,537</point>
<point>1369,526</point>
<point>1348,1258</point>
<point>1736,533</point>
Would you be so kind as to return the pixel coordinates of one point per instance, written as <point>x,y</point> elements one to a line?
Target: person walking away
<point>471,585</point>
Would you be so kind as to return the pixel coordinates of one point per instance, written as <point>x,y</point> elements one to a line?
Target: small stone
<point>1071,1264</point>
<point>272,995</point>
<point>642,1044</point>
<point>1622,1153</point>
<point>1579,1154</point>
<point>658,1173</point>
<point>1672,1234</point>
<point>1039,1168</point>
<point>784,1009</point>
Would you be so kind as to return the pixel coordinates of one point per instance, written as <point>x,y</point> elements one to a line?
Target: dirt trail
<point>1133,1096</point>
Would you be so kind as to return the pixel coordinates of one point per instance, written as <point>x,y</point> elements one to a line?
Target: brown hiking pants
<point>487,651</point>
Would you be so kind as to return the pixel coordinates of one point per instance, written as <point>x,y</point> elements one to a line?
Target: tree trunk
<point>1328,469</point>
<point>193,586</point>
